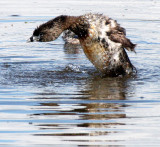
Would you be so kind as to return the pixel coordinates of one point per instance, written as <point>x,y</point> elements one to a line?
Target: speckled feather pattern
<point>106,54</point>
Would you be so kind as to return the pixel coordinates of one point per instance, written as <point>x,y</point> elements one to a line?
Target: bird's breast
<point>96,53</point>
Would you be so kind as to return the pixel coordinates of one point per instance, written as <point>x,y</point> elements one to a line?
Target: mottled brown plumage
<point>52,29</point>
<point>102,39</point>
<point>120,37</point>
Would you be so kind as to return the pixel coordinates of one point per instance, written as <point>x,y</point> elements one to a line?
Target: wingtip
<point>133,49</point>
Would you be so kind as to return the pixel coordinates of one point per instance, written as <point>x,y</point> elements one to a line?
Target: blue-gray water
<point>51,95</point>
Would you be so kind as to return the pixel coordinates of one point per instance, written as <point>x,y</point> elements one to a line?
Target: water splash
<point>74,68</point>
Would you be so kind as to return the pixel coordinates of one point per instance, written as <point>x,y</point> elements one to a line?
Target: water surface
<point>50,94</point>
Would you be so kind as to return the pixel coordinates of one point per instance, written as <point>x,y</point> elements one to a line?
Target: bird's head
<point>43,34</point>
<point>51,30</point>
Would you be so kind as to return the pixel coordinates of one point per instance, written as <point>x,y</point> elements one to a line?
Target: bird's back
<point>106,54</point>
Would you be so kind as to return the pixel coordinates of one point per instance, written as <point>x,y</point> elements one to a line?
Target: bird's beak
<point>31,39</point>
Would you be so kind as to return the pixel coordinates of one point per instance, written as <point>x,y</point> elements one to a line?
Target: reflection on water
<point>72,48</point>
<point>51,95</point>
<point>95,109</point>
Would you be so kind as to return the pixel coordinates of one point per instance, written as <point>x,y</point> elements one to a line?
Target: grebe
<point>103,40</point>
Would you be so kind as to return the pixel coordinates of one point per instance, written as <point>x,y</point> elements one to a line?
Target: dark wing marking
<point>118,35</point>
<point>121,38</point>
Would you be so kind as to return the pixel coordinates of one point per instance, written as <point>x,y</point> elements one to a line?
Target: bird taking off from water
<point>103,40</point>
